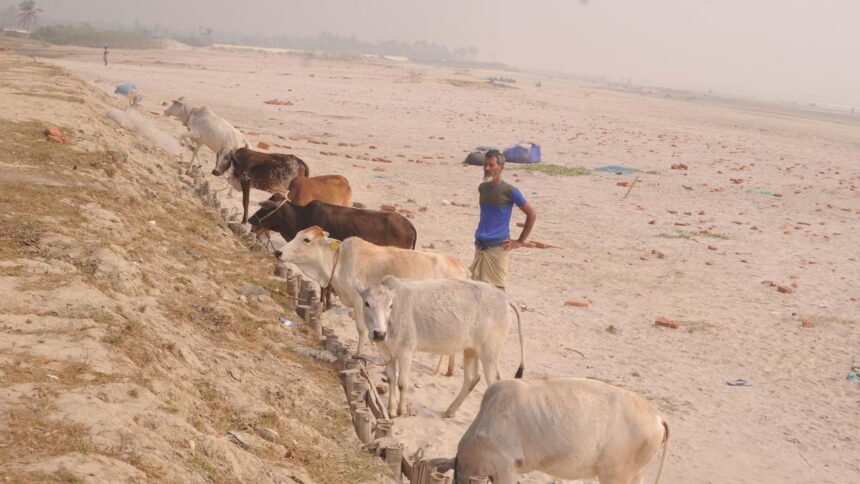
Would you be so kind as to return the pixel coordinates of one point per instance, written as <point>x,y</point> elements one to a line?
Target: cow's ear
<point>443,465</point>
<point>391,282</point>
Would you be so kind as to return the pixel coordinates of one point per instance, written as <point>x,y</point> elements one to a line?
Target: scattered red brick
<point>379,169</point>
<point>520,224</point>
<point>358,205</point>
<point>667,323</point>
<point>422,209</point>
<point>388,208</point>
<point>54,134</point>
<point>659,254</point>
<point>279,102</point>
<point>343,144</point>
<point>622,184</point>
<point>537,244</point>
<point>405,210</point>
<point>784,289</point>
<point>652,222</point>
<point>737,181</point>
<point>711,247</point>
<point>679,166</point>
<point>359,166</point>
<point>577,304</point>
<point>263,145</point>
<point>372,147</point>
<point>807,324</point>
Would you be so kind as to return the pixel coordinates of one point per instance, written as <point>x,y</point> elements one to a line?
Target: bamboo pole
<point>393,456</point>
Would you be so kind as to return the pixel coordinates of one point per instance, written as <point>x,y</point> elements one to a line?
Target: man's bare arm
<point>531,216</point>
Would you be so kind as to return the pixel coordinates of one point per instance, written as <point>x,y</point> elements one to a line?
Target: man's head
<point>494,163</point>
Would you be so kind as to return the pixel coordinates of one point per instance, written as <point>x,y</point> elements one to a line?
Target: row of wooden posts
<point>369,414</point>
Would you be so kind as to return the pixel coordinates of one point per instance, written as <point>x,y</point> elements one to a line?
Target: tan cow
<point>333,189</point>
<point>570,428</point>
<point>356,261</point>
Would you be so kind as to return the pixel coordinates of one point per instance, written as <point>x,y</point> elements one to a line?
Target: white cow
<point>570,428</point>
<point>356,261</point>
<point>206,128</point>
<point>439,316</point>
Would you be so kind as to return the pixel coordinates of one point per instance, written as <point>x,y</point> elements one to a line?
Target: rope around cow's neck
<point>264,217</point>
<point>334,266</point>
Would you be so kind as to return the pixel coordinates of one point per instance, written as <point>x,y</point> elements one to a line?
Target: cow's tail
<point>520,370</point>
<point>665,449</point>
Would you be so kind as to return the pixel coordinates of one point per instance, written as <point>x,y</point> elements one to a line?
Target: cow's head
<point>224,159</point>
<point>310,248</point>
<point>177,109</point>
<point>276,214</point>
<point>378,301</point>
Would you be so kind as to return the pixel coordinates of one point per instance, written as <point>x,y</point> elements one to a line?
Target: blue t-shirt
<point>497,203</point>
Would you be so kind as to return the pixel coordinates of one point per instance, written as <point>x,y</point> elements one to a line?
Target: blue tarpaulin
<point>523,153</point>
<point>125,89</point>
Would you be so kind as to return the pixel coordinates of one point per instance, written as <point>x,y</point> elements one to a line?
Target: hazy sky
<point>793,50</point>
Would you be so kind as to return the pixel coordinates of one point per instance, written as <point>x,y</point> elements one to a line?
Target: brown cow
<point>270,172</point>
<point>333,189</point>
<point>380,228</point>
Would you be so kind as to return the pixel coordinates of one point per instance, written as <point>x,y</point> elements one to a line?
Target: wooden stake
<point>631,187</point>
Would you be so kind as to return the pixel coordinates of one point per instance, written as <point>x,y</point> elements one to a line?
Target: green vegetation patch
<point>555,170</point>
<point>88,36</point>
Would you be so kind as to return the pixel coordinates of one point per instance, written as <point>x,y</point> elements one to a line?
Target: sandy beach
<point>751,245</point>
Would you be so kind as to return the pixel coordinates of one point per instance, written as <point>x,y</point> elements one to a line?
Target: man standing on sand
<point>105,55</point>
<point>493,237</point>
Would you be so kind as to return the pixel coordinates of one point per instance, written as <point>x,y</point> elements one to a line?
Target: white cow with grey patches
<point>570,428</point>
<point>438,316</point>
<point>205,128</point>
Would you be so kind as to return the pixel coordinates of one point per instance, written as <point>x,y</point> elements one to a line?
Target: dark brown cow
<point>270,172</point>
<point>380,228</point>
<point>333,189</point>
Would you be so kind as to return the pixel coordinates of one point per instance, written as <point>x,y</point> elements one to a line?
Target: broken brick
<point>388,208</point>
<point>577,304</point>
<point>263,146</point>
<point>667,323</point>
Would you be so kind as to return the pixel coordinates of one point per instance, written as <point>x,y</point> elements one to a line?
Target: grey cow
<point>438,316</point>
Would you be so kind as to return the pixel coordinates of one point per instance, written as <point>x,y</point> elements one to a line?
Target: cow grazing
<point>288,219</point>
<point>205,128</point>
<point>570,428</point>
<point>333,189</point>
<point>438,316</point>
<point>270,172</point>
<point>355,261</point>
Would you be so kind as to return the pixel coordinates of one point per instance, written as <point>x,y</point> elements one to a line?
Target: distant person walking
<point>105,55</point>
<point>493,238</point>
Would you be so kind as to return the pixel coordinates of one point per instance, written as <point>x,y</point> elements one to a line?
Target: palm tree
<point>27,14</point>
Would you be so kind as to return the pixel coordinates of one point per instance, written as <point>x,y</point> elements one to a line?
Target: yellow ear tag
<point>334,245</point>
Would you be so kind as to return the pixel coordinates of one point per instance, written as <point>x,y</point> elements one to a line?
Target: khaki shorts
<point>491,265</point>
